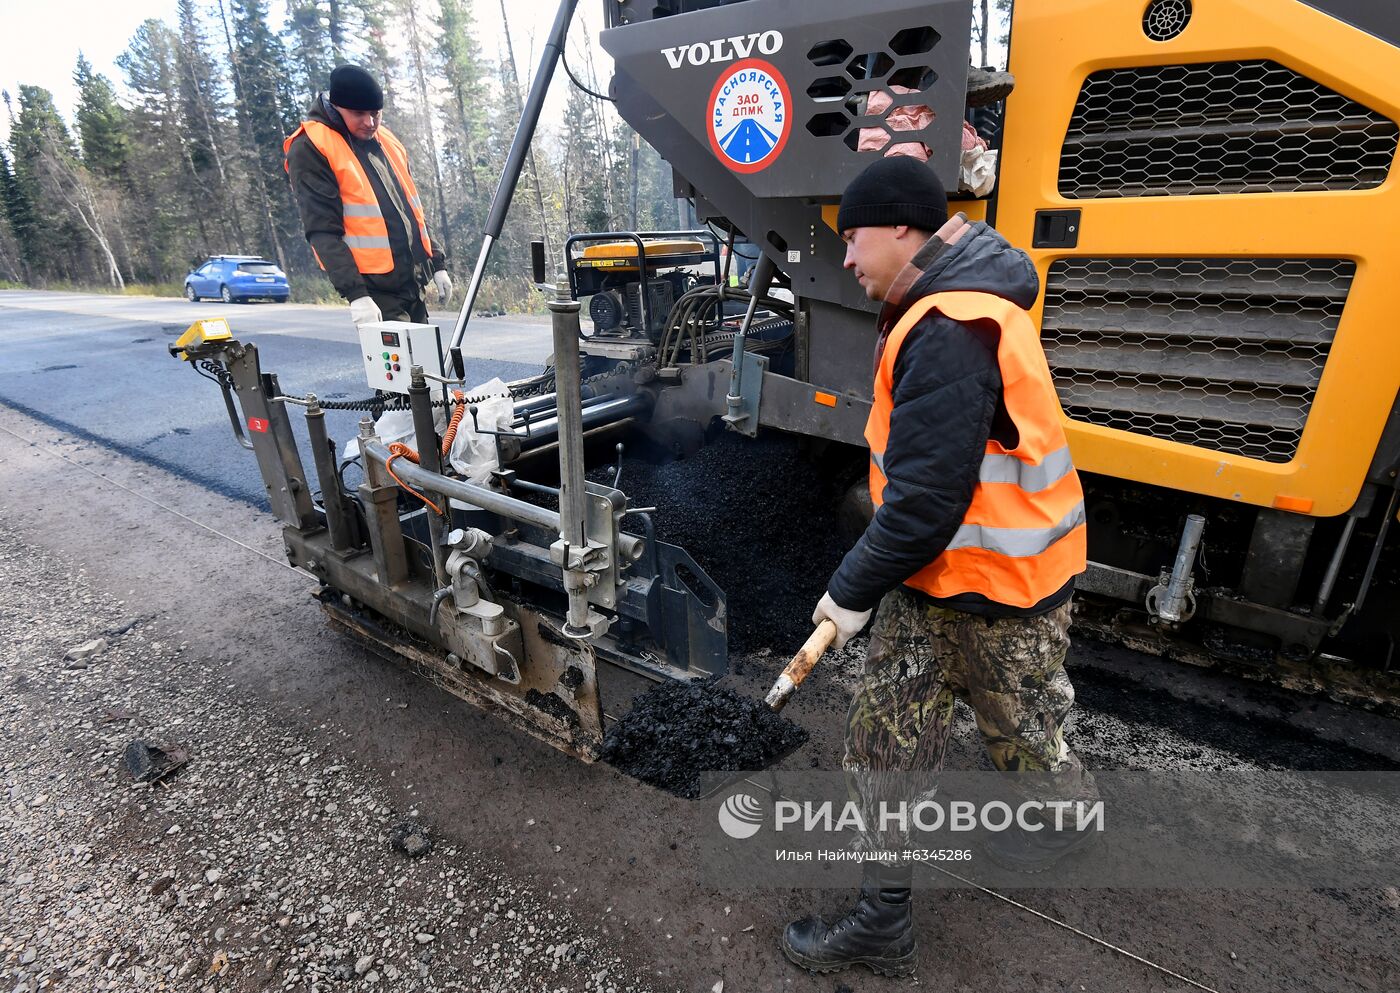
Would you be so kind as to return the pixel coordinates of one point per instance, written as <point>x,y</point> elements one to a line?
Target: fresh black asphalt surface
<point>98,368</point>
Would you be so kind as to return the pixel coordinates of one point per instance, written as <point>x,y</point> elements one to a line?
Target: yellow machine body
<point>1055,46</point>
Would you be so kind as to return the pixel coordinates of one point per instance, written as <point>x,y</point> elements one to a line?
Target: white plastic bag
<point>978,172</point>
<point>472,454</point>
<point>392,426</point>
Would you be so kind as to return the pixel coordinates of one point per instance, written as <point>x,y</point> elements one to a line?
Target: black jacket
<point>318,199</point>
<point>947,403</point>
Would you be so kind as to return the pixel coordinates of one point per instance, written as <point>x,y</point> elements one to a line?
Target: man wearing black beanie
<point>359,204</point>
<point>977,535</point>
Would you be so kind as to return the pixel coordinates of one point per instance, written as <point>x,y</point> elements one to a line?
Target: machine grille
<point>1219,127</point>
<point>1224,354</point>
<point>869,99</point>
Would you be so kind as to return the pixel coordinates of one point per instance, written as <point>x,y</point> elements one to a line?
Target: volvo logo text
<point>724,49</point>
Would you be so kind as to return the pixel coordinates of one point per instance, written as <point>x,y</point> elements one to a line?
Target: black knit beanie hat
<point>355,89</point>
<point>894,190</point>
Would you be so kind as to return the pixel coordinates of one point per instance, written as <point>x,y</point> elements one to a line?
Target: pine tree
<point>11,265</point>
<point>33,219</point>
<point>18,208</point>
<point>336,27</point>
<point>373,53</point>
<point>166,181</point>
<point>309,45</point>
<point>510,82</point>
<point>202,106</point>
<point>68,215</point>
<point>418,59</point>
<point>102,123</point>
<point>585,176</point>
<point>267,115</point>
<point>656,198</point>
<point>466,82</point>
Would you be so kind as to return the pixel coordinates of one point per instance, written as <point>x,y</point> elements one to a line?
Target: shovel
<point>802,663</point>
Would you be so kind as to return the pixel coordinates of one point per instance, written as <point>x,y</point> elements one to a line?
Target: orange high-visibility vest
<point>366,233</point>
<point>1023,536</point>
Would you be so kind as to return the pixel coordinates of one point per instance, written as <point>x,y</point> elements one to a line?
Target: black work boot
<point>878,933</point>
<point>1035,851</point>
<point>986,86</point>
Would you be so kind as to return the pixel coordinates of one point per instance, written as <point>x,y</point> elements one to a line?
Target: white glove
<point>848,622</point>
<point>443,282</point>
<point>363,310</point>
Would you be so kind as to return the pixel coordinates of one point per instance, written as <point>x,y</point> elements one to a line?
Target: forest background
<point>184,158</point>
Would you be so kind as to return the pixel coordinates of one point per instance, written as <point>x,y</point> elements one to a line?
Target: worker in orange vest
<point>359,205</point>
<point>977,535</point>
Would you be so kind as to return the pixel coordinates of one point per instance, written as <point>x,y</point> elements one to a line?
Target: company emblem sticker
<point>749,115</point>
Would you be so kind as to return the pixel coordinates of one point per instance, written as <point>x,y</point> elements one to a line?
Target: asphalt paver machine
<point>1202,188</point>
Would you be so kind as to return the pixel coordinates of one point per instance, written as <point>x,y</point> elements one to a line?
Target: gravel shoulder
<point>264,862</point>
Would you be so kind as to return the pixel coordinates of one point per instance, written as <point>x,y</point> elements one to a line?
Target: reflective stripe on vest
<point>1009,469</point>
<point>1032,478</point>
<point>1017,542</point>
<point>366,233</point>
<point>356,241</point>
<point>1023,534</point>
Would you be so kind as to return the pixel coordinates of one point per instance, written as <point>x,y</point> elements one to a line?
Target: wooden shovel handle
<point>801,664</point>
<point>811,652</point>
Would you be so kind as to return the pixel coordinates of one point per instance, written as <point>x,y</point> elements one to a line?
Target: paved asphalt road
<point>97,367</point>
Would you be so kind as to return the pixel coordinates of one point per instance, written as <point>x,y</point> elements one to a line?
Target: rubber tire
<point>190,294</point>
<point>225,295</point>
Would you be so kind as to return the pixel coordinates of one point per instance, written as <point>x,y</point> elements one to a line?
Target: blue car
<point>233,278</point>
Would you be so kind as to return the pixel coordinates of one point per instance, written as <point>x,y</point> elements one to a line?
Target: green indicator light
<point>385,355</point>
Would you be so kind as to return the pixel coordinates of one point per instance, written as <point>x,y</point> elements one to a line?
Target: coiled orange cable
<point>398,450</point>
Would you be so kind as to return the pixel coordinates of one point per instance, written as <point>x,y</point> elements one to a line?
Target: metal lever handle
<point>617,471</point>
<point>499,434</point>
<point>235,421</point>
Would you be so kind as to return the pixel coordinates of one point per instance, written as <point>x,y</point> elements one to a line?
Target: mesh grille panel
<point>1224,354</point>
<point>1219,127</point>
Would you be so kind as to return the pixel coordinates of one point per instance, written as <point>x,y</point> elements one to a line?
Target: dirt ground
<point>306,750</point>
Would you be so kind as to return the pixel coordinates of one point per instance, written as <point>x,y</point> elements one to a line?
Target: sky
<point>40,40</point>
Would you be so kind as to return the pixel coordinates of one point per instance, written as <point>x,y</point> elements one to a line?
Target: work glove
<point>363,310</point>
<point>443,282</point>
<point>848,622</point>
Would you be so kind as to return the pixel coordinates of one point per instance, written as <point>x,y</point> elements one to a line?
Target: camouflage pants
<point>921,658</point>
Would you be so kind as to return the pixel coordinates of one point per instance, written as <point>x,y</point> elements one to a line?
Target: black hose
<point>564,57</point>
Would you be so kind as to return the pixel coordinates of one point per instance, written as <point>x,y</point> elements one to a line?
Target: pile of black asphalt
<point>761,517</point>
<point>677,733</point>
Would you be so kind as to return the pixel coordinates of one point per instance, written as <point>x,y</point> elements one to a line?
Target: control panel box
<point>390,348</point>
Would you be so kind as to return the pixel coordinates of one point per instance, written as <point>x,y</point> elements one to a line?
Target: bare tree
<point>986,31</point>
<point>71,184</point>
<point>605,131</point>
<point>514,88</point>
<point>419,59</point>
<point>249,152</point>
